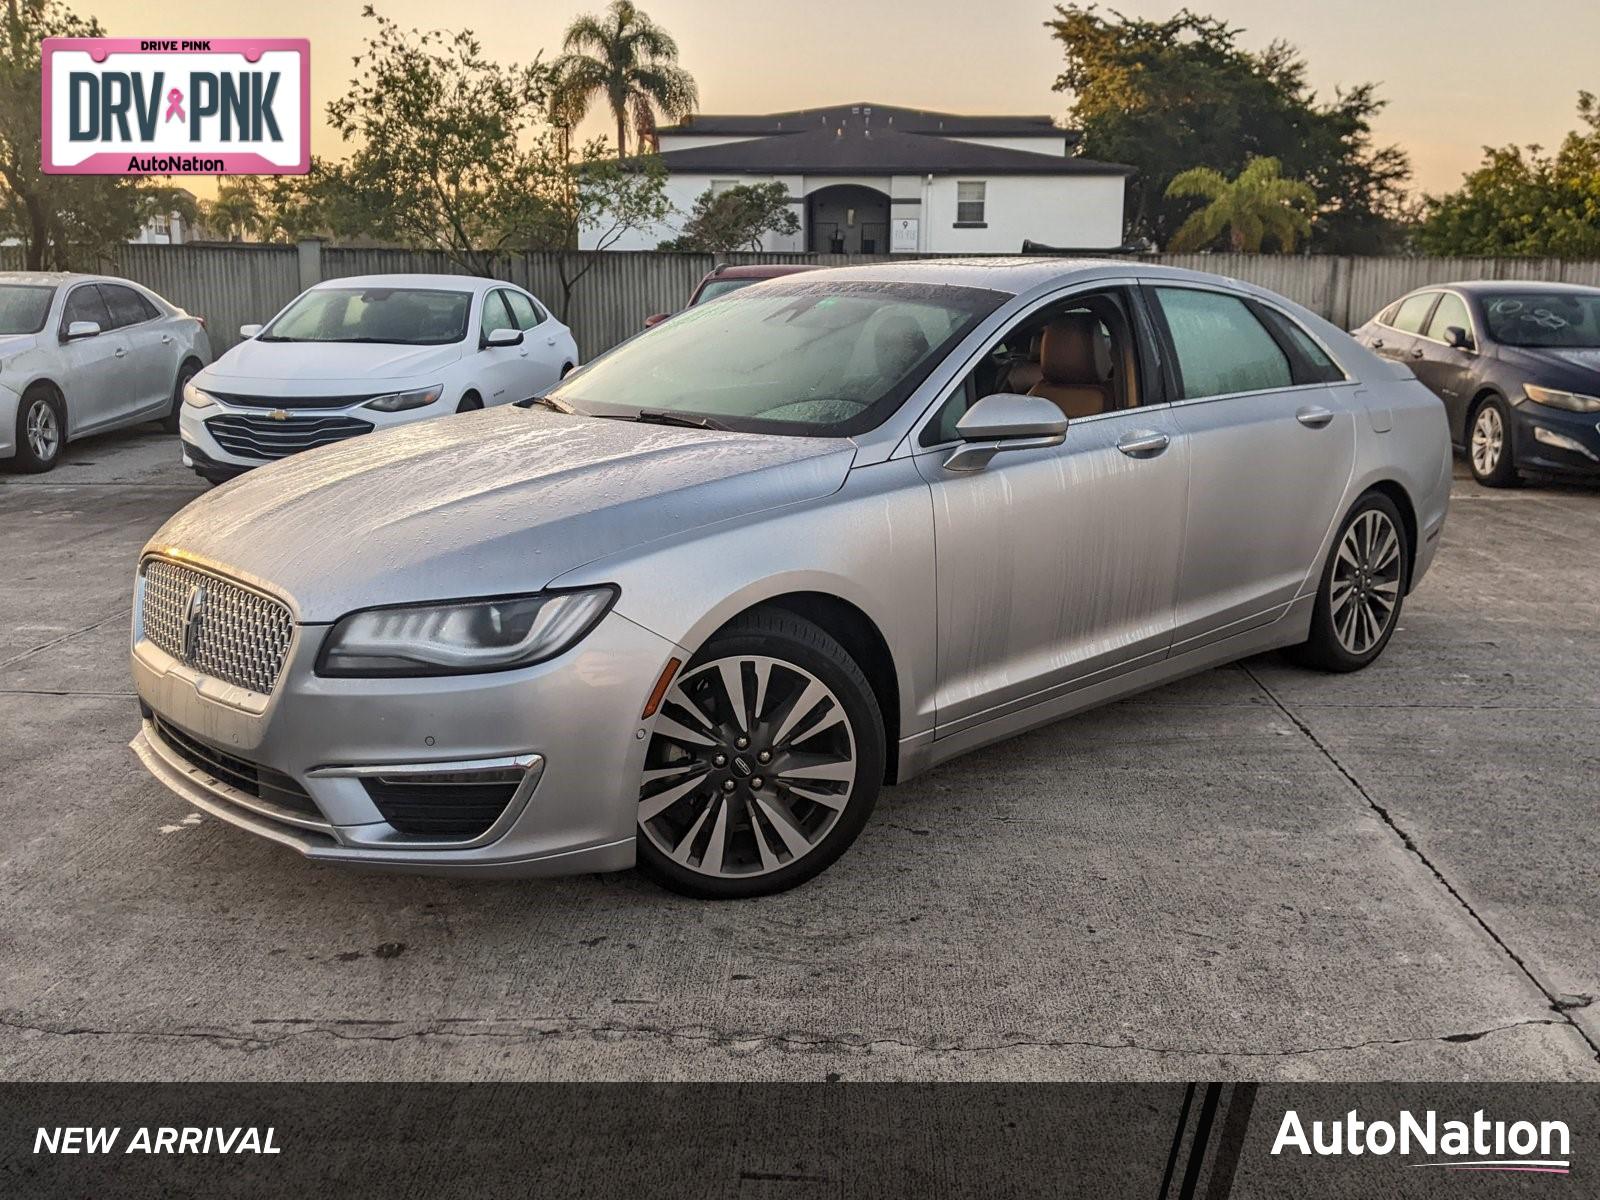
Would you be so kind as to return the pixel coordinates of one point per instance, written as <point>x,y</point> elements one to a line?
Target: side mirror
<point>249,331</point>
<point>82,329</point>
<point>655,319</point>
<point>1005,421</point>
<point>1458,337</point>
<point>503,337</point>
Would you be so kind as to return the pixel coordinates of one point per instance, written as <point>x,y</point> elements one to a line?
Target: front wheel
<point>1363,585</point>
<point>1489,450</point>
<point>41,431</point>
<point>764,763</point>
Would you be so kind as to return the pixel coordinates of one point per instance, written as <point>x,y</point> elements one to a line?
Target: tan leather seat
<point>1072,376</point>
<point>1023,376</point>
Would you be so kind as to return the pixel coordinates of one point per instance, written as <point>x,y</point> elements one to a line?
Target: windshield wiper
<point>654,416</point>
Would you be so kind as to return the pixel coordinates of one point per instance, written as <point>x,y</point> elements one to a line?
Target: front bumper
<point>1554,441</point>
<point>574,719</point>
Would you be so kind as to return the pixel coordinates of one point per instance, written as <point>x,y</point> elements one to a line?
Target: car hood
<point>13,344</point>
<point>1573,364</point>
<point>487,503</point>
<point>301,368</point>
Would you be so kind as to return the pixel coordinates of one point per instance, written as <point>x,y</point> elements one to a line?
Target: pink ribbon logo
<point>175,105</point>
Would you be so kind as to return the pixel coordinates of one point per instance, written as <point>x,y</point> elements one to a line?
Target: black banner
<point>698,1141</point>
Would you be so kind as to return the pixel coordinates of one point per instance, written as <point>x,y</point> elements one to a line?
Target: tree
<point>736,218</point>
<point>634,65</point>
<point>1525,201</point>
<point>599,198</point>
<point>237,212</point>
<point>1257,205</point>
<point>1166,96</point>
<point>448,153</point>
<point>61,220</point>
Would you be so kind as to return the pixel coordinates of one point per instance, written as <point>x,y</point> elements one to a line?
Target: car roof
<point>1479,286</point>
<point>758,270</point>
<point>54,278</point>
<point>453,283</point>
<point>1019,275</point>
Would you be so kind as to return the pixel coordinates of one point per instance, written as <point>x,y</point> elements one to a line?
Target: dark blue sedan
<point>1517,365</point>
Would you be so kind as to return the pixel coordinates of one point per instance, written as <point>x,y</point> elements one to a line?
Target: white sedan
<point>369,352</point>
<point>82,354</point>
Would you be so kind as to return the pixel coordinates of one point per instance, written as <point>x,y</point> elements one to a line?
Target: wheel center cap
<point>741,766</point>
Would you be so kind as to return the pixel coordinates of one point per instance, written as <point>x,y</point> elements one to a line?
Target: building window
<point>969,202</point>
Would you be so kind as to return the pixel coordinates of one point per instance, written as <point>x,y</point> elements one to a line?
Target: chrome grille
<point>232,634</point>
<point>262,437</point>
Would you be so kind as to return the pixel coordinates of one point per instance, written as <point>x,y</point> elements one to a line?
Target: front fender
<point>869,544</point>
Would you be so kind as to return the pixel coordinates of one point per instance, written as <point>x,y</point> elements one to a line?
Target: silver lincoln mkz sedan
<point>696,605</point>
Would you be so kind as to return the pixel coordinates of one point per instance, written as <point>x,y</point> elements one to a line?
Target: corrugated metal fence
<point>613,292</point>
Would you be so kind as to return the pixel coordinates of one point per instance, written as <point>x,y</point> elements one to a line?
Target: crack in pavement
<point>725,1038</point>
<point>1411,845</point>
<point>122,614</point>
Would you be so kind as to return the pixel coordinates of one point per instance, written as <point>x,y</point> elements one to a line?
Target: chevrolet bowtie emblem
<point>278,414</point>
<point>193,614</point>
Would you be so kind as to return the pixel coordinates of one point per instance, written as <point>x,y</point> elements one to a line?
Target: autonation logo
<point>1475,1145</point>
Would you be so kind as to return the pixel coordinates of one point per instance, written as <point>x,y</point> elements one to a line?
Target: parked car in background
<point>696,604</point>
<point>370,352</point>
<point>1517,364</point>
<point>83,354</point>
<point>727,278</point>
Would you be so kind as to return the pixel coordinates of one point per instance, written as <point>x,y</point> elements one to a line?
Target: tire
<point>1490,457</point>
<point>169,423</point>
<point>41,432</point>
<point>1368,568</point>
<point>711,824</point>
<point>469,403</point>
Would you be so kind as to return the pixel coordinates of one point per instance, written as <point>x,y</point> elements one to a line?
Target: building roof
<point>869,139</point>
<point>906,120</point>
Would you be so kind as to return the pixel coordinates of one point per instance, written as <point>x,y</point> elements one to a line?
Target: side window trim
<point>1129,287</point>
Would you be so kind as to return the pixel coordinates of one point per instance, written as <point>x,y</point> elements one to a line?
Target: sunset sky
<point>1458,75</point>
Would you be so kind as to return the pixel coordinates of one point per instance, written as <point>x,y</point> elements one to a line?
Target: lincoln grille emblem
<point>193,614</point>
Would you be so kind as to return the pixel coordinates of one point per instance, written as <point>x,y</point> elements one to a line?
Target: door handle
<point>549,341</point>
<point>120,352</point>
<point>1417,353</point>
<point>166,339</point>
<point>1377,343</point>
<point>1314,416</point>
<point>1143,444</point>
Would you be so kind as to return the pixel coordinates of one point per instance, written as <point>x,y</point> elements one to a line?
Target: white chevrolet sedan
<point>369,352</point>
<point>83,354</point>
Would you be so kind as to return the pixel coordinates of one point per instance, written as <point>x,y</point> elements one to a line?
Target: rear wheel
<point>41,431</point>
<point>169,423</point>
<point>765,761</point>
<point>1363,585</point>
<point>1489,451</point>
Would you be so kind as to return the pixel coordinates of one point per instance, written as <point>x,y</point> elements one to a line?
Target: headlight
<point>464,637</point>
<point>400,401</point>
<point>1571,401</point>
<point>195,398</point>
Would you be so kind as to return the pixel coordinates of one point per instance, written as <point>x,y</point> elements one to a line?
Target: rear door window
<point>1413,312</point>
<point>1221,346</point>
<point>127,306</point>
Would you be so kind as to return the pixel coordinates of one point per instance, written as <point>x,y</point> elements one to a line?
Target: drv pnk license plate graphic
<point>130,106</point>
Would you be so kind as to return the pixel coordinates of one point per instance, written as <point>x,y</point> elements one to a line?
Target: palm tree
<point>1257,204</point>
<point>633,62</point>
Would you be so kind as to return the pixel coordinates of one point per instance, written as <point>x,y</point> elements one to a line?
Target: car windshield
<point>1535,319</point>
<point>23,308</point>
<point>721,287</point>
<point>816,358</point>
<point>402,316</point>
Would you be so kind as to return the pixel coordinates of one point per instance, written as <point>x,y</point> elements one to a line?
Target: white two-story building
<point>874,179</point>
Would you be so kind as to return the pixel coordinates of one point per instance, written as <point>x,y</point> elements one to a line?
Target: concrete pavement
<point>1257,873</point>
